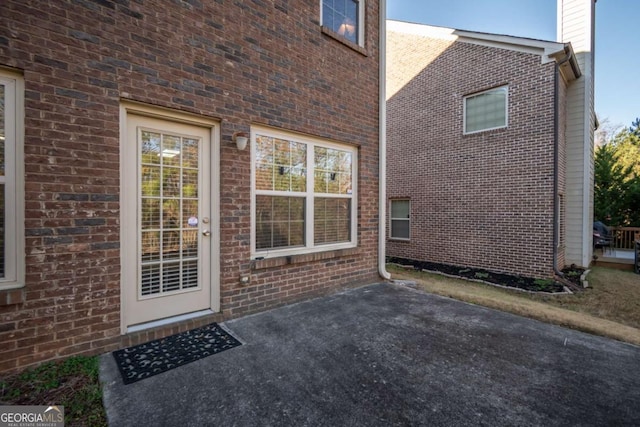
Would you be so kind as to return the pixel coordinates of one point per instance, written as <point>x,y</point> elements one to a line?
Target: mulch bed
<point>530,284</point>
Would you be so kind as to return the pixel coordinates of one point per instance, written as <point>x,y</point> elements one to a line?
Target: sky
<point>617,59</point>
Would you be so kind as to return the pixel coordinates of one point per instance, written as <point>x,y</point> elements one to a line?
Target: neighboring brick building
<point>477,165</point>
<point>129,211</point>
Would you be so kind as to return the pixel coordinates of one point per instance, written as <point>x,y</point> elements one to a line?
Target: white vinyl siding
<point>11,181</point>
<point>576,25</point>
<point>486,110</point>
<point>304,194</point>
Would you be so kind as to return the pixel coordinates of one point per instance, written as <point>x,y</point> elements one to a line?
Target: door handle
<point>206,233</point>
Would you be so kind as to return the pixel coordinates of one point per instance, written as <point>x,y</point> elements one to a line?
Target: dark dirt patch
<point>573,274</point>
<point>512,281</point>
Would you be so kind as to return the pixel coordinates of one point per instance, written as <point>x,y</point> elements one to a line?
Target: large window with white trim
<point>345,18</point>
<point>304,194</point>
<point>486,110</point>
<point>11,181</point>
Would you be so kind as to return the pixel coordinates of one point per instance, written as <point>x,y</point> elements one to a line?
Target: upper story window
<point>345,18</point>
<point>304,195</point>
<point>11,181</point>
<point>400,219</point>
<point>486,110</point>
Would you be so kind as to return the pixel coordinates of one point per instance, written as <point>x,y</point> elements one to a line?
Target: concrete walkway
<point>388,355</point>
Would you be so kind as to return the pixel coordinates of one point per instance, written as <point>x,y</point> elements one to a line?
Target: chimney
<point>576,24</point>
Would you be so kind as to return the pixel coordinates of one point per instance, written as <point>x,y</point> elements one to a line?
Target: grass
<point>72,383</point>
<point>612,294</point>
<point>609,307</point>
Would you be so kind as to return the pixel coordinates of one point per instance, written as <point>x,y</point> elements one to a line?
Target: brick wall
<point>482,200</point>
<point>242,63</point>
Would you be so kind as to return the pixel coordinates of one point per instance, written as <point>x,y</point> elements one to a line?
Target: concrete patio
<point>389,355</point>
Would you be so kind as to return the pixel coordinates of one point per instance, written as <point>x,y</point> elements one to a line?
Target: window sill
<point>361,50</point>
<point>490,130</point>
<point>12,296</point>
<point>397,239</point>
<point>263,264</point>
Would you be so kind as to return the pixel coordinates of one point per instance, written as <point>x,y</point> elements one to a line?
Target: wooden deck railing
<point>623,237</point>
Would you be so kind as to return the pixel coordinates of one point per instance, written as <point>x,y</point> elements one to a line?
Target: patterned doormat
<point>145,360</point>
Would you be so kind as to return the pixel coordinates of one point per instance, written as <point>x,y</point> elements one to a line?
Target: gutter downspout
<point>556,161</point>
<point>569,56</point>
<point>382,146</point>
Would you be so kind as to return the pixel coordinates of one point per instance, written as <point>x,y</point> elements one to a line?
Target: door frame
<point>128,193</point>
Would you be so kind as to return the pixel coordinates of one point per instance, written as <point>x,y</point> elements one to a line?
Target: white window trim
<point>14,181</point>
<point>391,219</point>
<point>361,12</point>
<point>309,195</point>
<point>464,110</point>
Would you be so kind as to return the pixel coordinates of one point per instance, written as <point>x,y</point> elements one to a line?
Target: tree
<point>610,186</point>
<point>627,144</point>
<point>633,202</point>
<point>617,178</point>
<point>635,127</point>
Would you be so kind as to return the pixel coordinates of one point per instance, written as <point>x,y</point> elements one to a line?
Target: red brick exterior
<point>483,200</point>
<point>242,63</point>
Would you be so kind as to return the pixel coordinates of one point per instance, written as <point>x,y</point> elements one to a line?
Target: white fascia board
<point>421,30</point>
<point>547,50</point>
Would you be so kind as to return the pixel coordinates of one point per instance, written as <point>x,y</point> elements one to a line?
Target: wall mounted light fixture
<point>241,139</point>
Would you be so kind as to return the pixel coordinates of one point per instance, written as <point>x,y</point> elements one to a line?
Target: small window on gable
<point>400,219</point>
<point>345,18</point>
<point>486,110</point>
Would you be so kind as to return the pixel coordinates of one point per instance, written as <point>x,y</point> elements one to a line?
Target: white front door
<point>167,221</point>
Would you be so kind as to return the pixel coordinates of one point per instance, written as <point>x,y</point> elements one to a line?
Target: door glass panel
<point>190,274</point>
<point>190,153</point>
<point>2,131</point>
<point>2,244</point>
<point>190,183</point>
<point>171,276</point>
<point>171,150</point>
<point>171,182</point>
<point>151,148</point>
<point>190,214</point>
<point>150,185</point>
<point>2,182</point>
<point>150,280</point>
<point>169,217</point>
<point>150,214</point>
<point>170,244</point>
<point>190,244</point>
<point>150,246</point>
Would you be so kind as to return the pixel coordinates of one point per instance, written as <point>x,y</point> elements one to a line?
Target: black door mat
<point>154,357</point>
